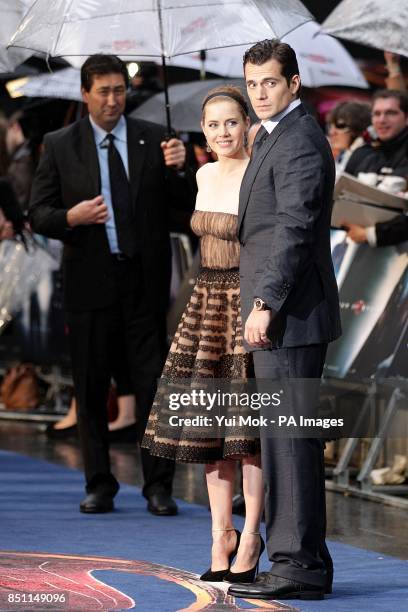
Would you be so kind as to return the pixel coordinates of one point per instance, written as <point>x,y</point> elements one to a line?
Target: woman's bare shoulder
<point>205,171</point>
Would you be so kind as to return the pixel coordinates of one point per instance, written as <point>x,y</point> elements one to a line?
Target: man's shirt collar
<point>119,131</point>
<point>270,124</point>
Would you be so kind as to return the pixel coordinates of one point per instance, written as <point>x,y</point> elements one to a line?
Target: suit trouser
<point>96,336</point>
<point>293,471</point>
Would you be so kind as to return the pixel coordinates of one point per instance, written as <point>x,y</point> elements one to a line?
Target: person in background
<point>388,233</point>
<point>21,162</point>
<point>103,187</point>
<point>395,78</point>
<point>388,154</point>
<point>123,428</point>
<point>347,122</point>
<point>12,221</point>
<point>4,160</point>
<point>118,432</point>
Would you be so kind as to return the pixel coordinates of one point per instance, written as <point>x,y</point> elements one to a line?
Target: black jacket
<point>68,173</point>
<point>392,232</point>
<point>380,155</point>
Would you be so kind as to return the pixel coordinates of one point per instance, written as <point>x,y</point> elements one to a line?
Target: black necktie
<point>121,201</point>
<point>260,138</point>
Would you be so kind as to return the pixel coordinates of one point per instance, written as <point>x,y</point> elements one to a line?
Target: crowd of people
<point>265,302</point>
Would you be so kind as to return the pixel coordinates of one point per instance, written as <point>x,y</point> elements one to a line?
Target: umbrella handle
<point>170,133</point>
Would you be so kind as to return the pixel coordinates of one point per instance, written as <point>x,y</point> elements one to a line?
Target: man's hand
<point>174,153</point>
<point>357,233</point>
<point>256,328</point>
<point>88,212</point>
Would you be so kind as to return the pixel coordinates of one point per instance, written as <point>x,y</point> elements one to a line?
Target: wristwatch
<point>259,304</point>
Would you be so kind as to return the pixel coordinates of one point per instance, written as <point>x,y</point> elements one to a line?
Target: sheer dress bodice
<point>219,244</point>
<point>208,344</point>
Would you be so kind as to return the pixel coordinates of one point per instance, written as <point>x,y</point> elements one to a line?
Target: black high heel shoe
<point>209,575</point>
<point>249,575</point>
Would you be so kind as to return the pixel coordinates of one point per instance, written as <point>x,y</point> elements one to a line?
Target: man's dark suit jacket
<point>392,232</point>
<point>68,173</point>
<point>283,226</point>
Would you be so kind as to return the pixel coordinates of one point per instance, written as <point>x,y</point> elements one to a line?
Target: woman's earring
<point>246,140</point>
<point>208,148</point>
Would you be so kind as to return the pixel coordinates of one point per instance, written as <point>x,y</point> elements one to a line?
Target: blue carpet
<point>127,550</point>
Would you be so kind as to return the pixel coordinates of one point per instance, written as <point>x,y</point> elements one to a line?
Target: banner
<point>373,289</point>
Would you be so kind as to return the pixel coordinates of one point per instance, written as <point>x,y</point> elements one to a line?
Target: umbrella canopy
<point>186,101</point>
<point>64,84</point>
<point>374,23</point>
<point>322,59</point>
<point>11,14</point>
<point>65,28</point>
<point>165,28</point>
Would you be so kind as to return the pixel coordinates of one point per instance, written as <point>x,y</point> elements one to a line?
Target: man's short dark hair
<point>268,49</point>
<point>99,64</point>
<point>401,96</point>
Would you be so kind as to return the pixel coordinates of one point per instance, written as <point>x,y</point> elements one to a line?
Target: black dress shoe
<point>125,435</point>
<point>328,561</point>
<point>61,434</point>
<point>97,502</point>
<point>275,587</point>
<point>328,588</point>
<point>161,504</point>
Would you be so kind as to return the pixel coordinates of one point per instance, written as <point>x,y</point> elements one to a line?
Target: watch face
<point>259,304</point>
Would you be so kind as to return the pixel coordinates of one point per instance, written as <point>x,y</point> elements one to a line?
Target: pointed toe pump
<point>249,575</point>
<point>209,575</point>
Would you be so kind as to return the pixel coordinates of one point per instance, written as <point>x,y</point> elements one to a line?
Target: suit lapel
<point>137,149</point>
<point>86,151</point>
<point>255,163</point>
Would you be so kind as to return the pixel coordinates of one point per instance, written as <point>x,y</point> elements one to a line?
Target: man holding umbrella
<point>102,187</point>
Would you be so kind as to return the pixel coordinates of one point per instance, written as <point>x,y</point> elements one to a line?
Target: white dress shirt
<point>270,124</point>
<point>120,142</point>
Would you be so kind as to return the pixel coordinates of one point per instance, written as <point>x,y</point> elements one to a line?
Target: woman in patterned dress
<point>208,342</point>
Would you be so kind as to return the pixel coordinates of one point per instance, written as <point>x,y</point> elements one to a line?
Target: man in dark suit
<point>290,308</point>
<point>103,187</point>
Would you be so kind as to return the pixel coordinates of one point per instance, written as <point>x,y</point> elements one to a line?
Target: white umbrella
<point>64,84</point>
<point>164,28</point>
<point>11,13</point>
<point>375,23</point>
<point>152,27</point>
<point>322,59</point>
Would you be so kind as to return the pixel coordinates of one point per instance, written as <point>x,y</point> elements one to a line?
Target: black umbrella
<point>186,102</point>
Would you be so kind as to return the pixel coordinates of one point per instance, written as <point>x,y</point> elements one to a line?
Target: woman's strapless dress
<point>208,342</point>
